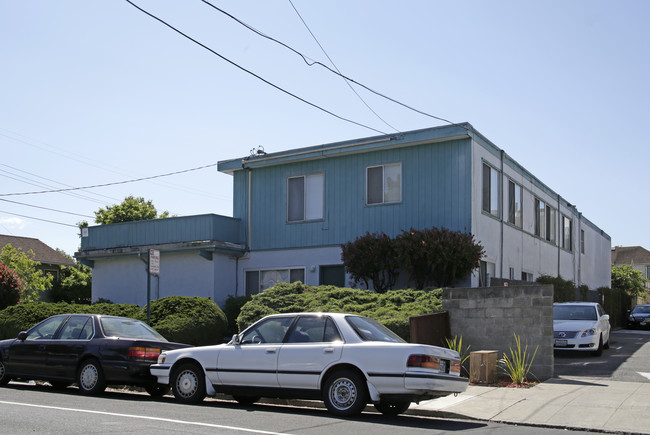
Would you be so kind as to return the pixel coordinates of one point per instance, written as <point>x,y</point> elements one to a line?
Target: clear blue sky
<point>97,92</point>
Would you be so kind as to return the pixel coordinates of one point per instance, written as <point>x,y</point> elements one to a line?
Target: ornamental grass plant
<point>516,365</point>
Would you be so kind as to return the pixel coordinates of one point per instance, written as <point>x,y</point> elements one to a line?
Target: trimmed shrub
<point>231,309</point>
<point>563,290</point>
<point>192,320</point>
<point>392,308</point>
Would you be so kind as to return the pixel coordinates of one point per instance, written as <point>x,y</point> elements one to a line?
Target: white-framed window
<point>305,197</point>
<point>515,200</point>
<point>512,273</point>
<point>384,184</point>
<point>545,221</point>
<point>567,233</point>
<point>582,241</point>
<point>526,276</point>
<point>259,280</point>
<point>490,190</point>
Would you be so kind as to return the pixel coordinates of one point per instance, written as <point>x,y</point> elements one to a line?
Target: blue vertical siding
<point>436,191</point>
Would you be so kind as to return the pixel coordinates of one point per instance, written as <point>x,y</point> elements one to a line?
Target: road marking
<point>167,420</point>
<point>645,375</point>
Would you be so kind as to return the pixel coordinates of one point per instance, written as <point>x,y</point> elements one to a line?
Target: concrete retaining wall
<point>487,318</point>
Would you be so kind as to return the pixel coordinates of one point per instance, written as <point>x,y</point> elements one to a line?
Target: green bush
<point>192,320</point>
<point>231,309</point>
<point>563,290</point>
<point>392,308</point>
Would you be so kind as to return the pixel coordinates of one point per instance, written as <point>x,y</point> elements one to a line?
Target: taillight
<point>424,361</point>
<point>455,367</point>
<point>144,353</point>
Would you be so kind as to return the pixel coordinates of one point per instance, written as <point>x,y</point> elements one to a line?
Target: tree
<point>75,285</point>
<point>131,209</point>
<point>628,280</point>
<point>371,258</point>
<point>32,280</point>
<point>437,256</point>
<point>9,287</point>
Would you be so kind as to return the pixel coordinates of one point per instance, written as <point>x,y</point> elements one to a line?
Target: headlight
<point>589,332</point>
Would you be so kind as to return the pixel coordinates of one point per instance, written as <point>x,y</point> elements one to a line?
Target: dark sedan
<point>639,317</point>
<point>90,350</point>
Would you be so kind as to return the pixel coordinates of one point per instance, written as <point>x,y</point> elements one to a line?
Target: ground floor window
<point>260,280</point>
<point>332,275</point>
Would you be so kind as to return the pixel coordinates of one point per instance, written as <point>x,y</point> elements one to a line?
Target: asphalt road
<point>627,359</point>
<point>30,408</point>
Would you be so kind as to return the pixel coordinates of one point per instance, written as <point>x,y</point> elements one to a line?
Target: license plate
<point>443,366</point>
<point>561,343</point>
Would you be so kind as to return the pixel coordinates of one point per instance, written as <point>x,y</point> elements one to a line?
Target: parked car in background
<point>582,326</point>
<point>345,360</point>
<point>90,350</point>
<point>639,317</point>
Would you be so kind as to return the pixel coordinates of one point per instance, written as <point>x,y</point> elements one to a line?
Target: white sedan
<point>580,326</point>
<point>345,360</point>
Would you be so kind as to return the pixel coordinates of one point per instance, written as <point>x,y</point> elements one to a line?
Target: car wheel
<point>188,383</point>
<point>345,393</point>
<point>599,351</point>
<point>157,390</point>
<point>4,379</point>
<point>90,378</point>
<point>609,338</point>
<point>392,408</point>
<point>246,400</point>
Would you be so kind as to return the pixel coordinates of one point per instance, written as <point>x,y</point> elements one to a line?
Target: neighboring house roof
<point>630,255</point>
<point>42,253</point>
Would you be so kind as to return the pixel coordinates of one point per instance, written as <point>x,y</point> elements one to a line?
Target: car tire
<point>609,338</point>
<point>4,379</point>
<point>392,408</point>
<point>90,378</point>
<point>188,383</point>
<point>157,390</point>
<point>345,394</point>
<point>599,351</point>
<point>246,400</point>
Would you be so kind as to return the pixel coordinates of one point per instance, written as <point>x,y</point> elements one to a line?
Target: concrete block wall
<point>488,317</point>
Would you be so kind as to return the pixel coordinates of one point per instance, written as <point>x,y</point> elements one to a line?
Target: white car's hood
<point>573,325</point>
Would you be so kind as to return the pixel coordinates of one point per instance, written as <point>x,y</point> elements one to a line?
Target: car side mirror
<point>605,317</point>
<point>22,335</point>
<point>235,339</point>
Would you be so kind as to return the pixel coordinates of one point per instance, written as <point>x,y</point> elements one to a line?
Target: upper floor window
<point>305,197</point>
<point>567,233</point>
<point>384,184</point>
<point>514,204</point>
<point>545,221</point>
<point>490,190</point>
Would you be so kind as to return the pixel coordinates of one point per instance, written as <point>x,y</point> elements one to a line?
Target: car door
<point>254,360</point>
<point>603,323</point>
<point>69,345</point>
<point>28,357</point>
<point>313,344</point>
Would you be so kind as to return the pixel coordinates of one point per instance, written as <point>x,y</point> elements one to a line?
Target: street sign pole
<point>153,268</point>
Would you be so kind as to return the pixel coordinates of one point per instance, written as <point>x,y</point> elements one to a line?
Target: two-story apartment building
<point>293,209</point>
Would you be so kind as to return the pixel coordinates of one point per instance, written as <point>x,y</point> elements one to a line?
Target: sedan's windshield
<point>645,309</point>
<point>574,312</point>
<point>372,330</point>
<point>128,328</point>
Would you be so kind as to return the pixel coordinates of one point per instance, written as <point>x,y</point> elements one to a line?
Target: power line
<point>252,73</point>
<point>46,208</point>
<point>39,219</point>
<point>110,184</point>
<point>312,63</point>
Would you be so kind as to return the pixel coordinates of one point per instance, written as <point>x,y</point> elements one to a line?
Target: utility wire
<point>337,68</point>
<point>310,62</point>
<point>252,73</point>
<point>110,184</point>
<point>39,219</point>
<point>45,208</point>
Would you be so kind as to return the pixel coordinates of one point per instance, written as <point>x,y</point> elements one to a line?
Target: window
<point>384,184</point>
<point>514,204</point>
<point>490,190</point>
<point>567,233</point>
<point>305,196</point>
<point>512,273</point>
<point>309,329</point>
<point>545,224</point>
<point>582,241</point>
<point>525,276</point>
<point>259,280</point>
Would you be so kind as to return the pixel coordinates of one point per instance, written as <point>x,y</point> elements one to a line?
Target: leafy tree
<point>371,258</point>
<point>32,280</point>
<point>131,209</point>
<point>9,287</point>
<point>629,280</point>
<point>75,285</point>
<point>437,255</point>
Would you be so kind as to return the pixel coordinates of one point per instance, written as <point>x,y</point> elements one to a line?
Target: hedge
<point>392,308</point>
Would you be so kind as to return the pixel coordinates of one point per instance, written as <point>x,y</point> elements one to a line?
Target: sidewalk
<point>592,404</point>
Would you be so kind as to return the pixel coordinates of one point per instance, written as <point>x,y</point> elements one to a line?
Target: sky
<point>99,93</point>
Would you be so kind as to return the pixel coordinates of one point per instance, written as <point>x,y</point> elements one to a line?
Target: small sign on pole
<point>154,261</point>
